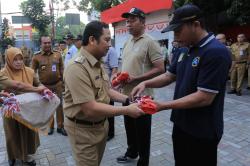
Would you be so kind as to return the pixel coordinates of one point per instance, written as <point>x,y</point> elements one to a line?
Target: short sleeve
<point>36,81</point>
<point>61,65</point>
<point>214,70</point>
<point>154,51</point>
<point>78,82</point>
<point>232,48</point>
<point>173,66</point>
<point>34,64</point>
<point>4,81</point>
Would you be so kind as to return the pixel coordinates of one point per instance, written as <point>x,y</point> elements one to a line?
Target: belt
<point>240,62</point>
<point>51,83</point>
<point>79,121</point>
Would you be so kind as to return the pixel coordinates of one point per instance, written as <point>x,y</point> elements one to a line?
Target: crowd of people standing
<point>79,71</point>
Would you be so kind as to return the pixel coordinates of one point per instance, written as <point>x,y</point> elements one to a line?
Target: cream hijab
<point>25,74</point>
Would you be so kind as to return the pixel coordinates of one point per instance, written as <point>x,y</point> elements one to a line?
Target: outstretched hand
<point>134,111</point>
<point>137,91</point>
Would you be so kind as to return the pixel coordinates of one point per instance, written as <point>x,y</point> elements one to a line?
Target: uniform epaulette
<point>38,52</point>
<point>79,59</point>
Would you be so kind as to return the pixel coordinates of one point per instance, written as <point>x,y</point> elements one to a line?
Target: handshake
<point>145,104</point>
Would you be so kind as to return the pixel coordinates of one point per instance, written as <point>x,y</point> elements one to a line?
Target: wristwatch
<point>127,101</point>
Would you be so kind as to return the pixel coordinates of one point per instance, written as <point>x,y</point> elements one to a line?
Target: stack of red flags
<point>147,104</point>
<point>121,77</point>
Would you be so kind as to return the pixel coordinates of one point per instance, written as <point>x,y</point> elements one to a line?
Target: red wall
<point>232,32</point>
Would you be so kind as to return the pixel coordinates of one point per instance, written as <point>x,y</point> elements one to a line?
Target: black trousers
<point>111,120</point>
<point>138,138</point>
<point>189,150</point>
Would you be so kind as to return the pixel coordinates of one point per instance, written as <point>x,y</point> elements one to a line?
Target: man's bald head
<point>221,37</point>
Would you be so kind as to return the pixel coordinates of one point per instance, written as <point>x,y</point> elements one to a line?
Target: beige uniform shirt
<point>240,52</point>
<point>138,57</point>
<point>49,66</point>
<point>4,81</point>
<point>85,80</point>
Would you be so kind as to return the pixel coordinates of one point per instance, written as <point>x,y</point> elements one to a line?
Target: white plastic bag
<point>35,111</point>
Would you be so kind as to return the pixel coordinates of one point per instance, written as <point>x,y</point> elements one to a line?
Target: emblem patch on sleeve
<point>195,61</point>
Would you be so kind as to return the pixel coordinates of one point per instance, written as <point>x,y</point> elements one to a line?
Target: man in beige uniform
<point>142,59</point>
<point>240,54</point>
<point>26,55</point>
<point>49,65</point>
<point>87,96</point>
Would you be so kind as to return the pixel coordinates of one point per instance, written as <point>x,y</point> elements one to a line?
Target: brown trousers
<point>237,76</point>
<point>57,89</point>
<point>20,140</point>
<point>87,142</point>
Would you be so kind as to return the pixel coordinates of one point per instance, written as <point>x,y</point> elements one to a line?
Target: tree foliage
<point>90,5</point>
<point>240,11</point>
<point>6,39</point>
<point>34,10</point>
<point>222,11</point>
<point>62,29</point>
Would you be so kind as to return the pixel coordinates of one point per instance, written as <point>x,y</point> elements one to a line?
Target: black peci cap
<point>69,36</point>
<point>79,37</point>
<point>134,12</point>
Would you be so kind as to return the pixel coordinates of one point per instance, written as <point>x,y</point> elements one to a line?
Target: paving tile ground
<point>234,148</point>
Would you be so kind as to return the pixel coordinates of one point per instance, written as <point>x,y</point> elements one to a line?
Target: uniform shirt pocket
<point>97,86</point>
<point>43,65</point>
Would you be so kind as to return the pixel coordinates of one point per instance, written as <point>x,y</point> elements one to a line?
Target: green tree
<point>219,13</point>
<point>6,39</point>
<point>34,10</point>
<point>239,10</point>
<point>90,5</point>
<point>62,29</point>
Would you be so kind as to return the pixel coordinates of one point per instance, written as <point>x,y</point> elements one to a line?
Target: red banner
<point>114,14</point>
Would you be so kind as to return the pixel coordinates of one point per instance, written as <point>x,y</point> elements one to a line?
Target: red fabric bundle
<point>120,78</point>
<point>147,105</point>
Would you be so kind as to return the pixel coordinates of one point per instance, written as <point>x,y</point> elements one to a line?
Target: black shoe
<point>12,162</point>
<point>51,131</point>
<point>110,137</point>
<point>248,88</point>
<point>30,163</point>
<point>238,93</point>
<point>62,131</point>
<point>125,159</point>
<point>231,92</point>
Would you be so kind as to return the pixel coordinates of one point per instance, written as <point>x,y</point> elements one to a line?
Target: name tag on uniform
<point>54,67</point>
<point>241,52</point>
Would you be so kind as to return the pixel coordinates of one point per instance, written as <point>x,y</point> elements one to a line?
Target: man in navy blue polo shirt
<point>200,74</point>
